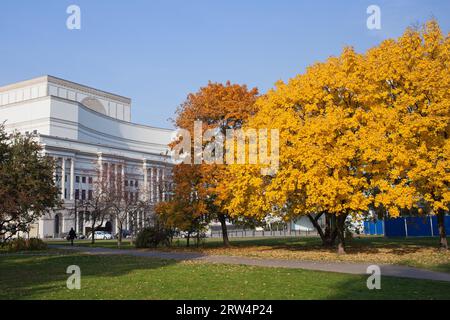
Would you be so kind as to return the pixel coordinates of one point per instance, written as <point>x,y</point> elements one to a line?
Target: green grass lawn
<point>42,276</point>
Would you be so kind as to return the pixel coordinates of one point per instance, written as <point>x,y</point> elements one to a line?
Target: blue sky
<point>157,51</point>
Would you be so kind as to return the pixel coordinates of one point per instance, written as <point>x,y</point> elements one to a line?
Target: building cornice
<point>88,90</point>
<point>25,83</point>
<point>47,79</point>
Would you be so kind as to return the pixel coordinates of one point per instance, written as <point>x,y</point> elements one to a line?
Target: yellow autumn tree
<point>319,115</point>
<point>408,146</point>
<point>356,132</point>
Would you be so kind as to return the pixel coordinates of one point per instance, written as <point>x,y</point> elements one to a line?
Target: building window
<point>83,194</point>
<point>65,193</point>
<point>77,179</point>
<point>126,183</point>
<point>90,194</point>
<point>77,194</point>
<point>136,183</point>
<point>90,180</point>
<point>83,180</point>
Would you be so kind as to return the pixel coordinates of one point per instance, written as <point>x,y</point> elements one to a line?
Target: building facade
<point>83,128</point>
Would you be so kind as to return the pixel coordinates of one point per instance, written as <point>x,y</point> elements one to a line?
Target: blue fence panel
<point>418,226</point>
<point>447,224</point>
<point>374,227</point>
<point>366,227</point>
<point>435,225</point>
<point>379,227</point>
<point>394,227</point>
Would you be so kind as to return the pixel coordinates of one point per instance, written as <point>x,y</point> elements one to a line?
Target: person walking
<point>72,236</point>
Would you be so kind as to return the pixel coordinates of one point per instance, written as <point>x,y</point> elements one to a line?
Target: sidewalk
<point>340,267</point>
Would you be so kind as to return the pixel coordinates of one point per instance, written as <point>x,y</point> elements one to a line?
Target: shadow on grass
<point>391,289</point>
<point>28,276</point>
<point>130,277</point>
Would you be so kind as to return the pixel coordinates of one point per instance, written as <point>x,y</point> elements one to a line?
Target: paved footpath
<point>340,267</point>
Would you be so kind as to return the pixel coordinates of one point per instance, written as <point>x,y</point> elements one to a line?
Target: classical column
<point>158,172</point>
<point>55,159</point>
<point>63,177</point>
<point>108,174</point>
<point>163,182</point>
<point>100,166</point>
<point>122,179</point>
<point>100,160</point>
<point>72,178</point>
<point>115,176</point>
<point>152,185</point>
<point>145,172</point>
<point>63,224</point>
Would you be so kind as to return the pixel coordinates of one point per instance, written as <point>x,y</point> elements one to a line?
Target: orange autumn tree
<point>186,211</point>
<point>219,107</point>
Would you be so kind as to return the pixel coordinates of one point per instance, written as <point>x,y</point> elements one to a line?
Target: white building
<point>81,126</point>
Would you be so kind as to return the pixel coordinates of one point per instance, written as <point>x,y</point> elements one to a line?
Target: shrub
<point>36,244</point>
<point>21,244</point>
<point>151,237</point>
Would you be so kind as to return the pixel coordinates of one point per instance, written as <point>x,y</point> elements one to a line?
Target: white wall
<point>27,116</point>
<point>66,119</point>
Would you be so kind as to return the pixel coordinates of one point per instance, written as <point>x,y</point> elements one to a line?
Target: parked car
<point>126,234</point>
<point>184,234</point>
<point>101,235</point>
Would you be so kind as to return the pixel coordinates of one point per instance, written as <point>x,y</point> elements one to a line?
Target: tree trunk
<point>93,233</point>
<point>187,239</point>
<point>328,230</point>
<point>327,236</point>
<point>119,238</point>
<point>198,238</point>
<point>315,223</point>
<point>132,227</point>
<point>226,241</point>
<point>333,229</point>
<point>443,244</point>
<point>340,229</point>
